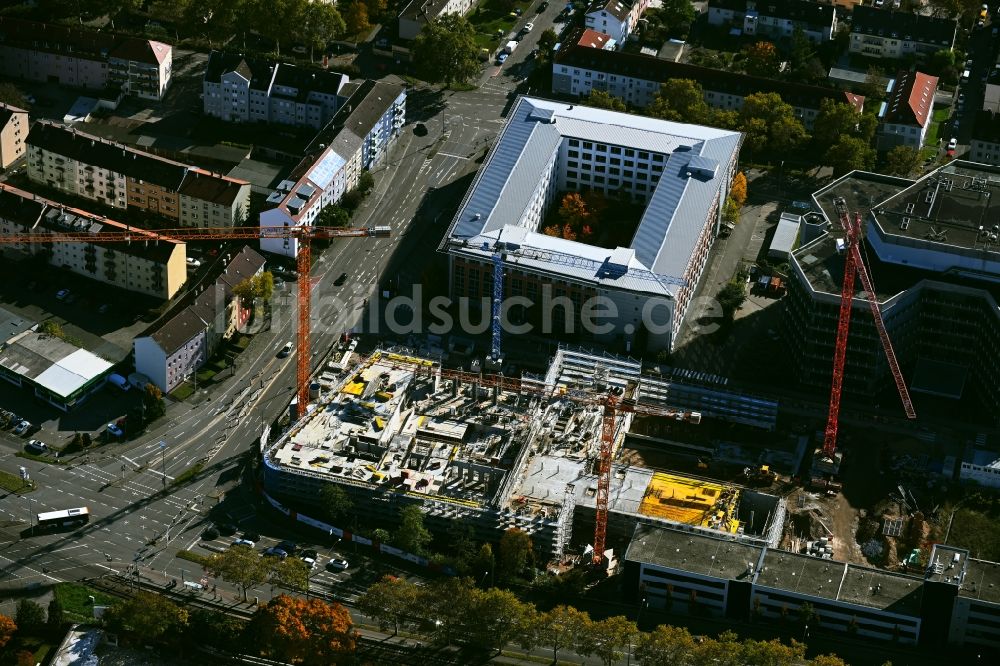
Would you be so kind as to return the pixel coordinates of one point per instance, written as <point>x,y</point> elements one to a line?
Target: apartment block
<point>636,79</point>
<point>152,264</point>
<point>240,89</point>
<point>418,13</point>
<point>984,146</point>
<point>886,33</point>
<point>617,18</point>
<point>13,134</point>
<point>357,138</point>
<point>775,19</point>
<point>908,111</point>
<point>81,58</point>
<point>121,177</point>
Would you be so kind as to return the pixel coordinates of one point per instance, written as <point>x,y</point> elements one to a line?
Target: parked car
<point>953,144</point>
<point>275,552</point>
<point>115,430</point>
<point>244,542</point>
<point>62,294</point>
<point>287,546</point>
<point>502,58</point>
<point>226,529</point>
<point>341,279</point>
<point>36,446</point>
<point>542,7</point>
<point>528,27</point>
<point>285,351</point>
<point>210,533</point>
<point>22,427</point>
<point>336,564</point>
<point>192,262</point>
<point>251,536</point>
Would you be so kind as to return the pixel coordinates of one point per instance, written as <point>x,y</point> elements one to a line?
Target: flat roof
<point>894,593</point>
<point>51,363</point>
<point>982,581</point>
<point>707,555</point>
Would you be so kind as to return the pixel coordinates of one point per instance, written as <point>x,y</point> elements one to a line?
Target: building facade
<point>121,177</point>
<point>775,19</point>
<point>419,13</point>
<point>81,58</point>
<point>885,33</point>
<point>984,146</point>
<point>13,134</point>
<point>617,18</point>
<point>909,110</point>
<point>152,264</point>
<point>356,139</point>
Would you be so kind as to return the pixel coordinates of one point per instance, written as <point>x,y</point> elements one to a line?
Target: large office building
<point>356,139</point>
<point>933,249</point>
<point>151,264</point>
<point>117,176</point>
<point>236,88</point>
<point>678,175</point>
<point>81,58</point>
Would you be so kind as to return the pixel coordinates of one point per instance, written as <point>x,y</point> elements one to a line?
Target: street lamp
<point>163,463</point>
<point>638,617</point>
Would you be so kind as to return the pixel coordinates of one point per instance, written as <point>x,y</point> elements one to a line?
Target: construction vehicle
<point>120,233</point>
<point>761,475</point>
<point>826,460</point>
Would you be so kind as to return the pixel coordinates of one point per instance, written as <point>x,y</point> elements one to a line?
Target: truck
<point>511,45</point>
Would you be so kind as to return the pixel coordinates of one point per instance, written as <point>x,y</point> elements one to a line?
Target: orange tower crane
<point>305,235</point>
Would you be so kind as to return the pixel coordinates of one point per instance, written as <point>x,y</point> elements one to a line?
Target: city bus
<point>63,519</point>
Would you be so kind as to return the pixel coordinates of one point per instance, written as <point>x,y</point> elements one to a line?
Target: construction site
<point>498,452</point>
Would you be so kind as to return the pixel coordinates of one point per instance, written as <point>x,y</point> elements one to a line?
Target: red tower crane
<point>120,233</point>
<point>854,265</point>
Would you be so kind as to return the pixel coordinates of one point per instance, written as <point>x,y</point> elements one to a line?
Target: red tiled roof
<point>593,39</point>
<point>912,99</point>
<point>857,101</point>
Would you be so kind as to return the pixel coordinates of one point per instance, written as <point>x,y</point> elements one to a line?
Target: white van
<point>965,76</point>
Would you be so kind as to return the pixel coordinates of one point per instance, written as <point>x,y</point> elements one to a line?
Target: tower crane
<point>855,266</point>
<point>124,234</point>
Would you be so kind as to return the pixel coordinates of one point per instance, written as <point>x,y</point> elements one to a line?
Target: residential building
<point>152,264</point>
<point>81,58</point>
<point>679,174</point>
<point>357,138</point>
<point>637,78</point>
<point>908,111</point>
<point>13,134</point>
<point>931,246</point>
<point>966,593</point>
<point>418,13</point>
<point>54,370</point>
<point>617,18</point>
<point>118,176</point>
<point>592,39</point>
<point>175,347</point>
<point>775,19</point>
<point>984,146</point>
<point>886,33</point>
<point>240,89</point>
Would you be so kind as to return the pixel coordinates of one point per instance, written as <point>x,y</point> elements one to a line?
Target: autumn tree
<point>7,630</point>
<point>848,154</point>
<point>152,400</point>
<point>309,631</point>
<point>604,100</point>
<point>902,160</point>
<point>574,214</point>
<point>411,535</point>
<point>561,628</point>
<point>146,614</point>
<point>829,660</point>
<point>665,645</point>
<point>514,553</point>
<point>739,189</point>
<point>356,17</point>
<point>762,59</point>
<point>239,565</point>
<point>607,639</point>
<point>390,601</point>
<point>446,50</point>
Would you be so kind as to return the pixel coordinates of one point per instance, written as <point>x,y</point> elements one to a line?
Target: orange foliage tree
<point>7,629</point>
<point>739,189</point>
<point>762,59</point>
<point>307,631</point>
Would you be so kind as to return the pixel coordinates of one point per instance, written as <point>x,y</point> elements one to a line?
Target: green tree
<point>514,553</point>
<point>561,628</point>
<point>390,601</point>
<point>241,566</point>
<point>333,216</point>
<point>209,627</point>
<point>263,13</point>
<point>411,535</point>
<point>290,573</point>
<point>546,41</point>
<point>603,100</point>
<point>30,616</point>
<point>335,501</point>
<point>874,86</point>
<point>762,59</point>
<point>483,564</point>
<point>381,535</point>
<point>446,50</point>
<point>665,645</point>
<point>366,181</point>
<point>447,604</point>
<point>376,8</point>
<point>500,618</point>
<point>56,616</point>
<point>462,544</point>
<point>829,660</point>
<point>772,652</point>
<point>681,100</point>
<point>152,399</point>
<point>766,116</point>
<point>9,94</point>
<point>321,23</point>
<point>902,160</point>
<point>834,120</point>
<point>731,298</point>
<point>848,154</point>
<point>607,639</point>
<point>946,8</point>
<point>678,15</point>
<point>146,614</point>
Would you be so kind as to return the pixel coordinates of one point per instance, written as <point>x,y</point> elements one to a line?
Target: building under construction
<point>399,429</point>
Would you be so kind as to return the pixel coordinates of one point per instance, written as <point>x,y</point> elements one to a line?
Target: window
<point>572,165</point>
<point>616,150</point>
<point>598,179</point>
<point>574,143</point>
<point>587,145</point>
<point>658,157</point>
<point>573,154</point>
<point>600,158</point>
<point>629,152</point>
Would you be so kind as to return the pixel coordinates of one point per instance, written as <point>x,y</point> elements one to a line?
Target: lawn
<point>182,392</point>
<point>75,600</point>
<point>976,531</point>
<point>15,484</point>
<point>490,19</point>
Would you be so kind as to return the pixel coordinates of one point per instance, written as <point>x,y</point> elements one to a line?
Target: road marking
<point>457,157</point>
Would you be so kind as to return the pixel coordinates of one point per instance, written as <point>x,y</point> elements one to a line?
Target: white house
<point>617,18</point>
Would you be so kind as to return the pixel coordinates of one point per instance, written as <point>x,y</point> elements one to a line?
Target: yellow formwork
<point>691,501</point>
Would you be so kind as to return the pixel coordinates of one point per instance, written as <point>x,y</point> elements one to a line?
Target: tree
<point>448,604</point>
<point>321,23</point>
<point>484,563</point>
<point>849,154</point>
<point>902,160</point>
<point>500,617</point>
<point>874,86</point>
<point>380,535</point>
<point>262,14</point>
<point>333,216</point>
<point>678,15</point>
<point>515,552</point>
<point>446,51</point>
<point>731,211</point>
<point>336,503</point>
<point>665,645</point>
<point>152,400</point>
<point>762,59</point>
<point>739,189</point>
<point>366,181</point>
<point>311,631</point>
<point>607,638</point>
<point>7,630</point>
<point>547,40</point>
<point>376,8</point>
<point>681,100</point>
<point>240,565</point>
<point>603,100</point>
<point>770,121</point>
<point>291,573</point>
<point>573,211</point>
<point>561,628</point>
<point>946,8</point>
<point>829,660</point>
<point>772,652</point>
<point>146,614</point>
<point>411,535</point>
<point>9,94</point>
<point>56,616</point>
<point>801,51</point>
<point>52,329</point>
<point>256,286</point>
<point>731,298</point>
<point>209,627</point>
<point>30,616</point>
<point>835,119</point>
<point>390,601</point>
<point>356,18</point>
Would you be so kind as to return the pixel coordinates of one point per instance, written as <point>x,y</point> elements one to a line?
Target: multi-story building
<point>679,175</point>
<point>121,177</point>
<point>984,146</point>
<point>418,13</point>
<point>13,134</point>
<point>357,138</point>
<point>908,110</point>
<point>636,79</point>
<point>933,250</point>
<point>76,57</point>
<point>775,19</point>
<point>981,466</point>
<point>152,264</point>
<point>966,594</point>
<point>184,339</point>
<point>885,33</point>
<point>617,18</point>
<point>240,89</point>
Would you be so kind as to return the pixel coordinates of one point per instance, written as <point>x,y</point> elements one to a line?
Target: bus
<point>63,519</point>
